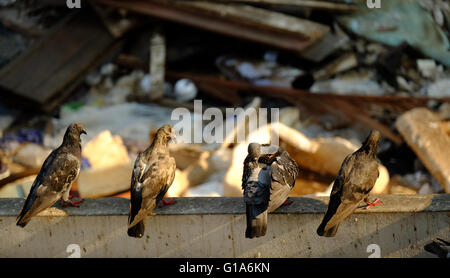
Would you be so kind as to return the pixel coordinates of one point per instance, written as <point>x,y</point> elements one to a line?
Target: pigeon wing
<point>248,165</point>
<point>153,183</point>
<point>136,187</point>
<point>58,172</point>
<point>356,185</point>
<point>336,193</point>
<point>283,171</point>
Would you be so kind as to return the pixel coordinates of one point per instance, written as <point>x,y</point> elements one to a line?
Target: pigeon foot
<point>287,202</point>
<point>71,203</point>
<point>166,202</point>
<point>377,202</point>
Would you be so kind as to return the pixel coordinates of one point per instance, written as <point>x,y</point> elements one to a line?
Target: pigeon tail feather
<point>137,230</point>
<point>22,222</point>
<point>256,225</point>
<point>331,232</point>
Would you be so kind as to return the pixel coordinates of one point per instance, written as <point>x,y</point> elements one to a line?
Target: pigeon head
<point>370,145</point>
<point>74,132</point>
<point>254,150</point>
<point>166,133</point>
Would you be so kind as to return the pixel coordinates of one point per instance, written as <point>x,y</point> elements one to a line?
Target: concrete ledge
<point>214,227</point>
<point>235,205</point>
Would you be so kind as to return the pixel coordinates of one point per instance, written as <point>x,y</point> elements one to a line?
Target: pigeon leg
<point>287,202</point>
<point>70,202</point>
<point>377,202</point>
<point>166,202</point>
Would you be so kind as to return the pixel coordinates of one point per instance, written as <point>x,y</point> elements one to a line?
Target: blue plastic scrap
<point>22,136</point>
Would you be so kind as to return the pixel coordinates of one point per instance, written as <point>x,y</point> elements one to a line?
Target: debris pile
<point>334,69</point>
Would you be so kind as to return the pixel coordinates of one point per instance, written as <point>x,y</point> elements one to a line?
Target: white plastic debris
<point>185,90</point>
<point>144,85</point>
<point>108,69</point>
<point>208,189</point>
<point>93,79</point>
<point>427,67</point>
<point>349,84</point>
<point>271,56</point>
<point>426,189</point>
<point>106,150</point>
<point>440,88</point>
<point>32,155</point>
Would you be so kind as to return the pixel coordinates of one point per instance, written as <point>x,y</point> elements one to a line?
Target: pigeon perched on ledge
<point>355,180</point>
<point>59,171</point>
<point>267,181</point>
<point>153,174</point>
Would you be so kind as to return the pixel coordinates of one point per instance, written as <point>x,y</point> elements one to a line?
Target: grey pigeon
<point>355,180</point>
<point>267,181</point>
<point>153,174</point>
<point>59,171</point>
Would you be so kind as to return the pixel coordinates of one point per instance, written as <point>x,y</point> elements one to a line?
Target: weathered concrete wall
<point>215,227</point>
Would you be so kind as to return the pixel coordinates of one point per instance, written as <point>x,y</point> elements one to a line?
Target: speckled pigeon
<point>267,181</point>
<point>355,180</point>
<point>153,174</point>
<point>59,171</point>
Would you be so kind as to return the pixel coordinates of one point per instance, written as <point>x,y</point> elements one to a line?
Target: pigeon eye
<point>75,126</point>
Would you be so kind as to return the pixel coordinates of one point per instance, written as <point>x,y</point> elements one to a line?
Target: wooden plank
<point>48,67</point>
<point>322,5</point>
<point>68,67</point>
<point>40,62</point>
<point>421,129</point>
<point>243,28</point>
<point>261,18</point>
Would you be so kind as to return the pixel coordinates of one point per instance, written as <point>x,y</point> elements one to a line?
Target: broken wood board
<point>423,132</point>
<point>240,21</point>
<point>322,5</point>
<point>343,63</point>
<point>53,67</point>
<point>327,45</point>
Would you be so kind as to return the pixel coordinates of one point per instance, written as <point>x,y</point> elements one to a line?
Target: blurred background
<point>335,69</point>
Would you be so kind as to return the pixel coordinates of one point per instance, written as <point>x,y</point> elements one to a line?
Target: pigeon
<point>57,174</point>
<point>355,180</point>
<point>153,174</point>
<point>267,181</point>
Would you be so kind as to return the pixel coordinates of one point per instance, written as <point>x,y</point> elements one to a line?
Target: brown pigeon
<point>153,174</point>
<point>267,181</point>
<point>59,171</point>
<point>355,180</point>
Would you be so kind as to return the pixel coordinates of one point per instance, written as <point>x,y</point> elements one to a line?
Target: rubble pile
<point>335,70</point>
